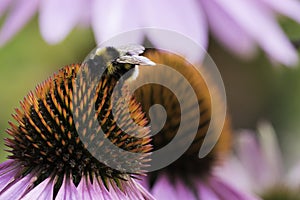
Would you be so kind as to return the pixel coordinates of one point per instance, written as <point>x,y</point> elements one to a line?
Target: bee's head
<point>116,61</point>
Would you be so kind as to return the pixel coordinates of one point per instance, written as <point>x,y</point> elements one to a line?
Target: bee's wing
<point>131,49</point>
<point>135,59</point>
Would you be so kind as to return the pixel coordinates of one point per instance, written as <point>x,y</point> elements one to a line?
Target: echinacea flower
<point>258,166</point>
<point>189,177</point>
<point>49,158</point>
<point>239,25</point>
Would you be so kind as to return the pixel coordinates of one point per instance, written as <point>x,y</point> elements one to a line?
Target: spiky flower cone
<point>48,156</point>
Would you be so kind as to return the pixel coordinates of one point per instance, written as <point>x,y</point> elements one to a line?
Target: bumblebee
<point>116,61</point>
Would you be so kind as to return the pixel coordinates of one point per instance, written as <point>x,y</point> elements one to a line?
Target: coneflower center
<point>45,138</point>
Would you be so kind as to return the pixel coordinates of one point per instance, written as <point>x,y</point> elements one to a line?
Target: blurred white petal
<point>179,16</point>
<point>271,152</point>
<point>226,191</point>
<point>58,17</point>
<point>205,192</point>
<point>4,4</point>
<point>262,27</point>
<point>232,167</point>
<point>183,191</point>
<point>110,18</point>
<point>163,188</point>
<point>20,13</point>
<point>253,158</point>
<point>293,177</point>
<point>227,31</point>
<point>288,8</point>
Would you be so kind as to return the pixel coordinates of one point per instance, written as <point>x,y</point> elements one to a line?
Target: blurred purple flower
<point>258,165</point>
<point>239,25</point>
<point>211,187</point>
<point>14,185</point>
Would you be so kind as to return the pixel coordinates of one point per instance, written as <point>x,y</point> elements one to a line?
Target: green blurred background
<point>256,89</point>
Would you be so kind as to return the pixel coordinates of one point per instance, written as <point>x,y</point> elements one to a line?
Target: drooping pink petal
<point>144,181</point>
<point>258,164</point>
<point>101,191</point>
<point>4,5</point>
<point>85,13</point>
<point>135,190</point>
<point>205,192</point>
<point>118,194</point>
<point>288,8</point>
<point>111,18</point>
<point>16,188</point>
<point>252,158</point>
<point>261,26</point>
<point>186,18</point>
<point>5,165</point>
<point>20,13</point>
<point>232,167</point>
<point>58,17</point>
<point>131,190</point>
<point>7,173</point>
<point>44,191</point>
<point>227,31</point>
<point>225,191</point>
<point>293,177</point>
<point>271,151</point>
<point>183,191</point>
<point>67,190</point>
<point>86,190</point>
<point>163,188</point>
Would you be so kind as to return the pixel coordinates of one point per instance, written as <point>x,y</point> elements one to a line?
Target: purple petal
<point>58,17</point>
<point>227,31</point>
<point>131,190</point>
<point>5,165</point>
<point>163,188</point>
<point>204,192</point>
<point>67,190</point>
<point>44,191</point>
<point>259,163</point>
<point>110,18</point>
<point>86,191</point>
<point>126,193</point>
<point>7,173</point>
<point>137,191</point>
<point>4,5</point>
<point>183,191</point>
<point>293,178</point>
<point>85,13</point>
<point>101,191</point>
<point>261,25</point>
<point>252,158</point>
<point>182,17</point>
<point>232,167</point>
<point>144,181</point>
<point>289,8</point>
<point>271,152</point>
<point>225,191</point>
<point>22,11</point>
<point>16,189</point>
